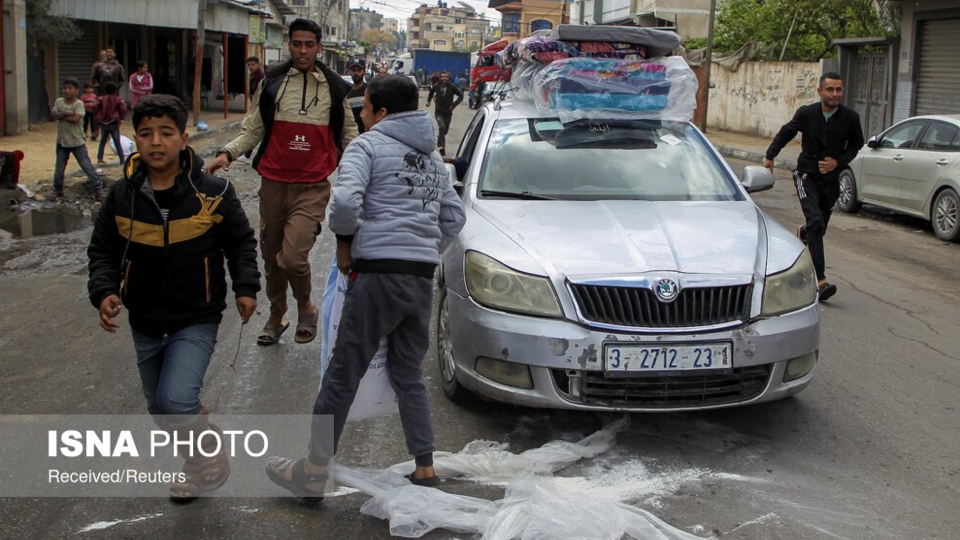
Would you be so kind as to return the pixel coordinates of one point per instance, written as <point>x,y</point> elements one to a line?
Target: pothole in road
<point>29,222</point>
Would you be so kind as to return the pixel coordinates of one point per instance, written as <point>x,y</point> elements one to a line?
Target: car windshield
<point>601,160</point>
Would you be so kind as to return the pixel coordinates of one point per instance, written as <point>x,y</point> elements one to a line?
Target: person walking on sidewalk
<point>448,97</point>
<point>68,111</point>
<point>832,137</point>
<point>303,120</point>
<point>359,89</point>
<point>394,211</point>
<point>141,83</point>
<point>158,248</point>
<point>111,110</point>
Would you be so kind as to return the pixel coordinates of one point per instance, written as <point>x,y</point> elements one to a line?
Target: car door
<point>469,143</point>
<point>882,166</point>
<point>939,148</point>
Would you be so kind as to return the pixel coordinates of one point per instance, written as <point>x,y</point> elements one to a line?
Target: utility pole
<point>198,61</point>
<point>709,62</point>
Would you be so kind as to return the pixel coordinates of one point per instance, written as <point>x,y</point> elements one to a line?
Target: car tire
<point>848,193</point>
<point>452,388</point>
<point>945,215</point>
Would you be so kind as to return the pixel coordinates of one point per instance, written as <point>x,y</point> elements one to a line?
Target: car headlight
<point>494,285</point>
<point>791,289</point>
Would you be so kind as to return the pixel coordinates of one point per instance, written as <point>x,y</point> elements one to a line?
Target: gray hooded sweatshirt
<point>394,199</point>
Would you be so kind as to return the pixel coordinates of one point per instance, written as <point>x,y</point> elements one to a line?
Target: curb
<point>757,157</point>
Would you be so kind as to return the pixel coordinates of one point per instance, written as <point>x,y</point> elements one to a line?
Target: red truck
<point>486,68</point>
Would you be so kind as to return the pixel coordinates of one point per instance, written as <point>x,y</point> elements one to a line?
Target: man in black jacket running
<point>832,136</point>
<point>448,97</point>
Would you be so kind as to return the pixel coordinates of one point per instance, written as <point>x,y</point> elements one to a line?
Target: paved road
<point>867,451</point>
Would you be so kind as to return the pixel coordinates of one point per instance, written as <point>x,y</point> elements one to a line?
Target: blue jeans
<point>172,367</point>
<point>83,159</point>
<point>113,131</point>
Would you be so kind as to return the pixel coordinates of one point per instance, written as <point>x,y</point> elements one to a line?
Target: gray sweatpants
<point>397,306</point>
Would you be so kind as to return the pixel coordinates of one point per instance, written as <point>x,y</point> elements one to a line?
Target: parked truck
<point>440,61</point>
<point>486,68</point>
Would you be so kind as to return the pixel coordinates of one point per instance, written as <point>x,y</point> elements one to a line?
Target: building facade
<point>445,28</point>
<point>363,20</point>
<point>689,18</point>
<point>522,17</point>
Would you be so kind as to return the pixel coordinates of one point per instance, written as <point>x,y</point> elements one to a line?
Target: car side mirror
<point>873,142</point>
<point>457,184</point>
<point>756,178</point>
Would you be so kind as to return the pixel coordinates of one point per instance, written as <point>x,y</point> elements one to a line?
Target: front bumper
<point>566,364</point>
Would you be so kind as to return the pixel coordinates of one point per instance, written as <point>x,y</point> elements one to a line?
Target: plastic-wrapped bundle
<point>544,50</point>
<point>585,88</point>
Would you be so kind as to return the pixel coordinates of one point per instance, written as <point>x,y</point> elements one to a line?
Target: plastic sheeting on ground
<point>534,507</point>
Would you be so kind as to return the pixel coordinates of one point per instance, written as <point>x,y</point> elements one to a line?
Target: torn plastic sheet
<point>535,506</point>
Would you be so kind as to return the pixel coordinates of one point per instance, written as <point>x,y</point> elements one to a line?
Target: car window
<point>902,136</point>
<point>941,137</point>
<point>471,136</point>
<point>627,159</point>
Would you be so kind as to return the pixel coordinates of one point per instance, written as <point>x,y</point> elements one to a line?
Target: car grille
<point>677,391</point>
<point>636,307</point>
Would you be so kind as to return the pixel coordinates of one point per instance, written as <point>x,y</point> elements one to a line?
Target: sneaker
<point>56,195</point>
<point>802,234</point>
<point>826,291</point>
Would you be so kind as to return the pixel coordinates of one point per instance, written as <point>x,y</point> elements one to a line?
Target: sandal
<point>307,327</point>
<point>429,481</point>
<point>271,333</point>
<point>276,468</point>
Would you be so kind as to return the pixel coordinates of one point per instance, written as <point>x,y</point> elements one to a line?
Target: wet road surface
<point>867,451</point>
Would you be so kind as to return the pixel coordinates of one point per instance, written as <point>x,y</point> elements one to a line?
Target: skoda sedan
<point>618,265</point>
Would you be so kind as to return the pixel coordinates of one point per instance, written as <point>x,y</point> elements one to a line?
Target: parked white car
<point>912,168</point>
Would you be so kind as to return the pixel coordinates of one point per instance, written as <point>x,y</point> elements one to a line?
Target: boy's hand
<point>110,308</point>
<point>246,306</point>
<point>344,258</point>
<point>219,162</point>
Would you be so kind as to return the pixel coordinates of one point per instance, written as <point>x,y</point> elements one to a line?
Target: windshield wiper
<point>526,195</point>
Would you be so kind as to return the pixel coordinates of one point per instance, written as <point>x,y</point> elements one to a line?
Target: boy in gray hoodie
<point>394,211</point>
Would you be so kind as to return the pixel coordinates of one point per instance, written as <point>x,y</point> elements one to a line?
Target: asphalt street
<point>867,451</point>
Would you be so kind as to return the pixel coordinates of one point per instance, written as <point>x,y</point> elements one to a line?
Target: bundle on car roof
<point>591,72</point>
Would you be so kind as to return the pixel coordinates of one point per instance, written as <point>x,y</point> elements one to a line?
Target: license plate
<point>636,358</point>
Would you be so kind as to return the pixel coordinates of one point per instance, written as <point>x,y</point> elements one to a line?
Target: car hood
<point>584,238</point>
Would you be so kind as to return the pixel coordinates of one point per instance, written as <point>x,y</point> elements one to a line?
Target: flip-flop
<point>271,333</point>
<point>429,481</point>
<point>307,328</point>
<point>299,479</point>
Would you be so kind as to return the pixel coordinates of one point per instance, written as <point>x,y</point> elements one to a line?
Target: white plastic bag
<point>375,397</point>
<point>125,143</point>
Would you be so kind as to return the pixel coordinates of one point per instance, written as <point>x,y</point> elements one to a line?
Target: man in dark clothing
<point>446,103</point>
<point>355,97</point>
<point>256,74</point>
<point>108,70</point>
<point>832,137</point>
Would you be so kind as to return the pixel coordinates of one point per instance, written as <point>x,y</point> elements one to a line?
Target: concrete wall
<point>906,73</point>
<point>16,111</point>
<point>760,97</point>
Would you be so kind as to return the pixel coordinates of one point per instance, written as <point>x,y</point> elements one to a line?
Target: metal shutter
<point>938,83</point>
<point>76,58</point>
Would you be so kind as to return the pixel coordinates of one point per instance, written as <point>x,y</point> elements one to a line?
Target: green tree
<point>42,27</point>
<point>814,23</point>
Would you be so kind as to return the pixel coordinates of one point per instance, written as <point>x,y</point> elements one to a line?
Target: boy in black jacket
<point>832,137</point>
<point>158,248</point>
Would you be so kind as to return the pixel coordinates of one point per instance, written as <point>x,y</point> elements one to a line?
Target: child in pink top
<point>141,83</point>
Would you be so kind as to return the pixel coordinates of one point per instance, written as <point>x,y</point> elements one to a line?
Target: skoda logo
<point>667,290</point>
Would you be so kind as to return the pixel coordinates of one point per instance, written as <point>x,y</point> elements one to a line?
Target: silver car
<point>618,265</point>
<point>912,168</point>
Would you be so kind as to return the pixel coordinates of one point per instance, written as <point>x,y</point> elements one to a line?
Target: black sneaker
<point>56,195</point>
<point>802,234</point>
<point>826,291</point>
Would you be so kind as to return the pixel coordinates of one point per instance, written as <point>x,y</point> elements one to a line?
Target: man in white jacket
<point>394,211</point>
